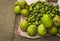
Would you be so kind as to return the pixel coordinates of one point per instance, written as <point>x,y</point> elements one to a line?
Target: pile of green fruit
<point>21,8</point>
<point>42,18</point>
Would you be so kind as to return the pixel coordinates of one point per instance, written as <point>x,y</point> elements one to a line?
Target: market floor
<point>9,23</point>
<point>7,18</point>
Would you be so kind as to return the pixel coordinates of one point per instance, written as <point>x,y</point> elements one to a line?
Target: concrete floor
<point>7,18</point>
<point>9,23</point>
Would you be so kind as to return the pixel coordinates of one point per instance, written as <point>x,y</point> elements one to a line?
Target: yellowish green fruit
<point>41,30</point>
<point>24,25</point>
<point>47,21</point>
<point>24,12</point>
<point>53,30</point>
<point>56,20</point>
<point>32,30</point>
<point>22,3</point>
<point>17,9</point>
<point>16,3</point>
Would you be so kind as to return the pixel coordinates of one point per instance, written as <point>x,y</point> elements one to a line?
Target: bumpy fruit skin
<point>24,25</point>
<point>17,9</point>
<point>41,30</point>
<point>24,12</point>
<point>22,3</point>
<point>47,20</point>
<point>32,30</point>
<point>56,20</point>
<point>53,30</point>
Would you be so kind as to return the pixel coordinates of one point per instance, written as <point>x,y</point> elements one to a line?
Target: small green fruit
<point>24,12</point>
<point>41,30</point>
<point>53,30</point>
<point>24,25</point>
<point>17,9</point>
<point>32,30</point>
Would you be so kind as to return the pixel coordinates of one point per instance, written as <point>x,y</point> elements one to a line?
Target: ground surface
<point>9,24</point>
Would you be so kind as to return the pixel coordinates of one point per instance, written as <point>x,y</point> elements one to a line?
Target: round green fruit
<point>24,25</point>
<point>22,3</point>
<point>41,30</point>
<point>17,9</point>
<point>47,21</point>
<point>16,3</point>
<point>32,30</point>
<point>56,20</point>
<point>53,30</point>
<point>24,12</point>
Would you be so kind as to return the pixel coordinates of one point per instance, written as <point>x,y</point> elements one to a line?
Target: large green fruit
<point>17,9</point>
<point>47,20</point>
<point>53,30</point>
<point>24,12</point>
<point>42,30</point>
<point>56,20</point>
<point>24,25</point>
<point>32,30</point>
<point>22,3</point>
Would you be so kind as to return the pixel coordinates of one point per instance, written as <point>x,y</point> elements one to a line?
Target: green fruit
<point>53,30</point>
<point>32,30</point>
<point>52,15</point>
<point>30,8</point>
<point>24,12</point>
<point>17,9</point>
<point>41,30</point>
<point>24,25</point>
<point>56,20</point>
<point>22,3</point>
<point>36,22</point>
<point>47,20</point>
<point>16,3</point>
